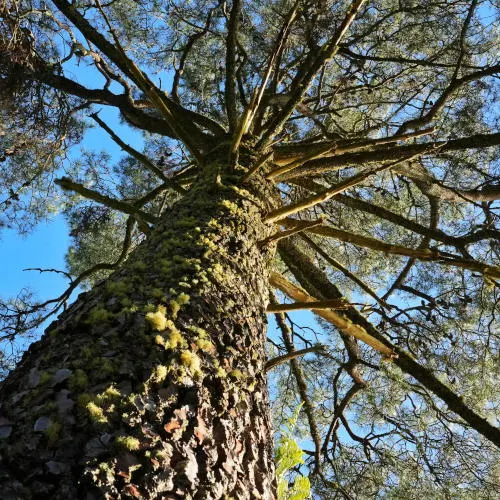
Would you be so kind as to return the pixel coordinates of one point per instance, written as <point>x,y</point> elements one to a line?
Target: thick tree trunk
<point>152,384</point>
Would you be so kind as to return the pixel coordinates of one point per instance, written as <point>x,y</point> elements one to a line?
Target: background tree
<point>356,139</point>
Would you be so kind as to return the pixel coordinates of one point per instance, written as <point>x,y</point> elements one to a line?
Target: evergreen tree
<point>337,157</point>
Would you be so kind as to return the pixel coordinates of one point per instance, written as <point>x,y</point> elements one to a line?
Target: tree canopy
<point>375,120</point>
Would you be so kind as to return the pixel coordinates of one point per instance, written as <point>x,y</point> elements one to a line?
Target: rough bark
<point>152,385</point>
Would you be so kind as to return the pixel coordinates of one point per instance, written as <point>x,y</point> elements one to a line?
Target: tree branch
<point>68,185</point>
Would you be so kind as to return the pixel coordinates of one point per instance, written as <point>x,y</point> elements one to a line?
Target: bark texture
<point>152,385</point>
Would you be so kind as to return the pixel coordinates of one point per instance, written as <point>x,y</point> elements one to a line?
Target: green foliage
<point>288,456</point>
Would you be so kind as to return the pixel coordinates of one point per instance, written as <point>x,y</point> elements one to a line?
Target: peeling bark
<point>152,385</point>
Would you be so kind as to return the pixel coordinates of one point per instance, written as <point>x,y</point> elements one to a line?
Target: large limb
<point>436,234</point>
<point>306,73</point>
<point>376,154</point>
<point>182,126</point>
<point>318,285</point>
<point>423,254</point>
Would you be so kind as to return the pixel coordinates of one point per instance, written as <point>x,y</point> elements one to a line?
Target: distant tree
<point>341,154</point>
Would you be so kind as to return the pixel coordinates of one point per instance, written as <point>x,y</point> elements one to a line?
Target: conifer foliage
<point>333,157</point>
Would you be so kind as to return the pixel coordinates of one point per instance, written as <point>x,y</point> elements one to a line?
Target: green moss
<point>117,287</point>
<point>84,399</point>
<point>158,293</point>
<point>86,352</point>
<point>78,380</point>
<point>98,315</point>
<point>45,377</point>
<point>235,374</point>
<point>126,302</point>
<point>53,333</point>
<point>138,266</point>
<point>149,308</point>
<point>96,413</point>
<point>127,443</point>
<point>53,432</point>
<point>161,455</point>
<point>105,366</point>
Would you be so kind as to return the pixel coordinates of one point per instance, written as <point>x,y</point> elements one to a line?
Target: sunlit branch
<point>231,45</point>
<point>319,304</point>
<point>424,254</point>
<point>260,163</point>
<point>290,232</point>
<point>279,360</point>
<point>358,204</point>
<point>253,106</point>
<point>328,193</point>
<point>338,320</point>
<point>318,150</point>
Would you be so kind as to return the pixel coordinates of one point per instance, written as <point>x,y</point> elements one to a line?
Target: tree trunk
<point>152,385</point>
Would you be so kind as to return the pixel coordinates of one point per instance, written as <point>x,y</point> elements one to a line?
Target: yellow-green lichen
<point>111,393</point>
<point>127,443</point>
<point>192,361</point>
<point>160,373</point>
<point>183,299</point>
<point>96,413</point>
<point>176,304</point>
<point>175,339</point>
<point>230,205</point>
<point>205,345</point>
<point>157,320</point>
